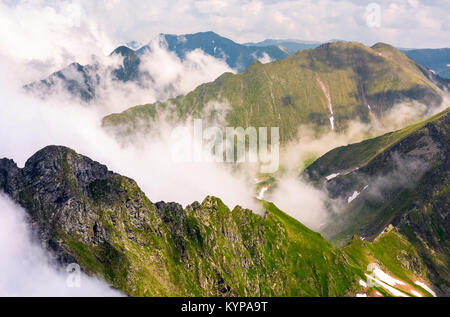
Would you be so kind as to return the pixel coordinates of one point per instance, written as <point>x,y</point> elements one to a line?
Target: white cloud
<point>28,270</point>
<point>301,201</point>
<point>48,31</point>
<point>28,124</point>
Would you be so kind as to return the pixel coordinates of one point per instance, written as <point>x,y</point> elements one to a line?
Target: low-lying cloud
<point>27,269</point>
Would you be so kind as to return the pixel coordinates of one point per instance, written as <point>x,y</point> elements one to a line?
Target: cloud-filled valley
<point>61,36</point>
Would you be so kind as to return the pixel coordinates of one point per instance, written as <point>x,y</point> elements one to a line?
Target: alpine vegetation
<point>190,164</point>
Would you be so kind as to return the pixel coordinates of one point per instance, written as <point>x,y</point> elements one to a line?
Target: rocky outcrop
<point>87,214</point>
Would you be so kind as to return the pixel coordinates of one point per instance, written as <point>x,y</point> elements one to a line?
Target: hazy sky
<point>39,37</point>
<point>405,23</point>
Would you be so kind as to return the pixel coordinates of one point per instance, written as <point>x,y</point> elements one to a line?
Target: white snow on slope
<point>353,197</point>
<point>326,92</point>
<point>387,287</point>
<point>330,177</point>
<point>417,294</point>
<point>425,287</point>
<point>262,192</point>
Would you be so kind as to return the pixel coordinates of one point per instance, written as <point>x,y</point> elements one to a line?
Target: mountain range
<point>89,215</point>
<point>398,180</point>
<point>387,232</point>
<point>326,87</point>
<point>292,45</point>
<point>82,81</point>
<point>237,56</point>
<point>437,59</point>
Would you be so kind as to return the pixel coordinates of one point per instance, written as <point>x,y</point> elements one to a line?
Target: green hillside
<point>360,154</point>
<point>399,179</point>
<point>104,222</point>
<point>89,215</point>
<point>294,91</point>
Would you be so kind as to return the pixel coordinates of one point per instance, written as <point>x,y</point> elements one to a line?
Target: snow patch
<point>326,92</point>
<point>356,194</point>
<point>330,177</point>
<point>362,283</point>
<point>417,294</point>
<point>425,287</point>
<point>262,192</point>
<point>353,197</point>
<point>361,295</point>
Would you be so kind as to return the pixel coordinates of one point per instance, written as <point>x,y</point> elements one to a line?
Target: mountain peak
<point>105,223</point>
<point>381,45</point>
<point>123,51</point>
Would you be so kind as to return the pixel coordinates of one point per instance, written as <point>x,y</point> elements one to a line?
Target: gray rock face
<point>89,215</point>
<point>404,186</point>
<point>59,189</point>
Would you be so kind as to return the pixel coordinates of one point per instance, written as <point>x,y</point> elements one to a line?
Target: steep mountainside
<point>103,221</point>
<point>237,56</point>
<point>326,87</point>
<point>399,180</point>
<point>78,80</point>
<point>82,81</point>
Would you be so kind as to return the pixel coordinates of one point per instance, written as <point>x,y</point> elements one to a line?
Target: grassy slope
<point>105,222</point>
<point>417,209</point>
<point>286,93</point>
<point>360,154</point>
<point>237,253</point>
<point>221,252</point>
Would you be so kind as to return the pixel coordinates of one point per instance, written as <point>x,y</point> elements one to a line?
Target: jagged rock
<point>87,214</point>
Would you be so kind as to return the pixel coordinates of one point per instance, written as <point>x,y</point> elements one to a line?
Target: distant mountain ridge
<point>83,80</point>
<point>437,60</point>
<point>237,56</point>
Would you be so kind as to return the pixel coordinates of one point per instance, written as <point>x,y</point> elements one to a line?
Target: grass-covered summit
<point>103,221</point>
